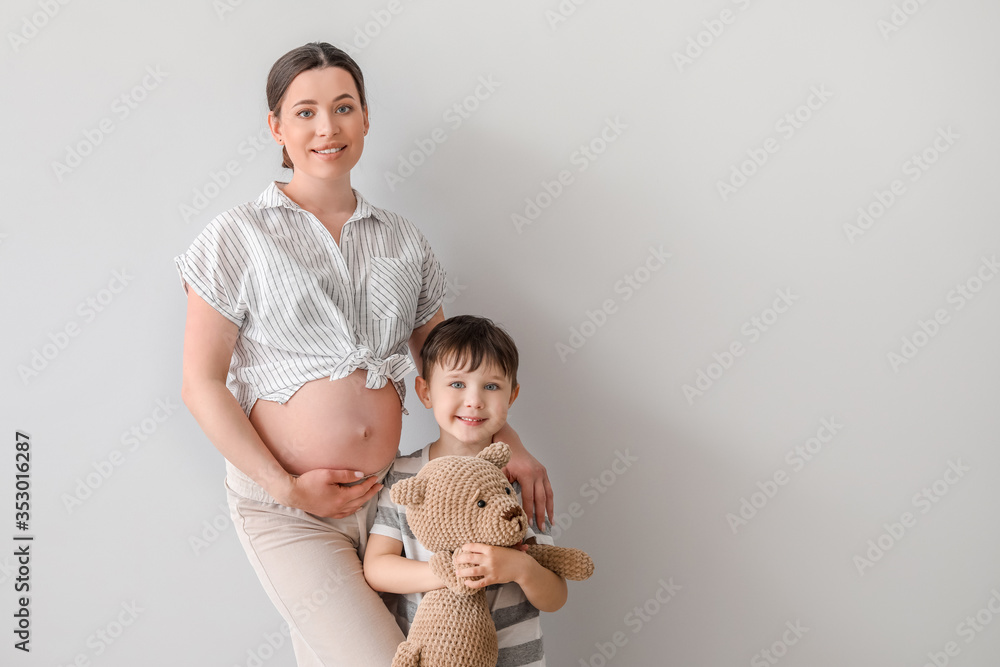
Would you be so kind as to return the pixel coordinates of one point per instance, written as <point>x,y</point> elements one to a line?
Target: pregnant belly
<point>332,424</point>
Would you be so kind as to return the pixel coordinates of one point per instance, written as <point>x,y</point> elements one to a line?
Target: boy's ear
<point>498,453</point>
<point>408,492</point>
<point>513,394</point>
<point>423,391</point>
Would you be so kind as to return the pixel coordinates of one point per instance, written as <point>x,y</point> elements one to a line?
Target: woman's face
<point>321,111</point>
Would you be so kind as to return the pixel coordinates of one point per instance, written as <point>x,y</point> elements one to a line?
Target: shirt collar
<point>273,197</point>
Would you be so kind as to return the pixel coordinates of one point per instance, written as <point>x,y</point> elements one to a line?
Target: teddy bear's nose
<point>512,512</point>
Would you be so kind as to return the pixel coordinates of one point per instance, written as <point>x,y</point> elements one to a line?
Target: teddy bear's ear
<point>498,454</point>
<point>409,491</point>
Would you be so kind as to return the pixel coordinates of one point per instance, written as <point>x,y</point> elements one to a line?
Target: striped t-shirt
<point>519,632</point>
<point>307,308</point>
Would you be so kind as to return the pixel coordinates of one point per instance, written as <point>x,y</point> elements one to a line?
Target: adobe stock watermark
<point>454,116</point>
<point>797,457</point>
<point>712,30</point>
<point>926,330</point>
<point>220,179</point>
<point>914,168</point>
<point>132,439</point>
<point>968,629</point>
<point>380,19</point>
<point>105,636</point>
<point>923,500</point>
<point>121,107</point>
<point>786,127</point>
<point>591,491</point>
<point>636,619</point>
<point>33,23</point>
<point>779,648</point>
<point>899,16</point>
<point>307,605</point>
<point>211,530</point>
<point>585,155</point>
<point>42,357</point>
<point>752,329</point>
<point>452,290</point>
<point>562,13</point>
<point>627,286</point>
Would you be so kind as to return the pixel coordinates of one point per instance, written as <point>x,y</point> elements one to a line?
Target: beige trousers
<point>310,567</point>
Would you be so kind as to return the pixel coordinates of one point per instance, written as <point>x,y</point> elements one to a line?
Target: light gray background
<point>664,517</point>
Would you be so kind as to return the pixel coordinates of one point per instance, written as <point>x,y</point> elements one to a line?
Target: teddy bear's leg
<point>407,655</point>
<point>572,564</point>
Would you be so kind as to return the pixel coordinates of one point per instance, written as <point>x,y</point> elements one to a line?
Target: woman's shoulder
<point>389,217</point>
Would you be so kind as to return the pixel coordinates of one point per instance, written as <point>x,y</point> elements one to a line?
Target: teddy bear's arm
<point>569,563</point>
<point>443,566</point>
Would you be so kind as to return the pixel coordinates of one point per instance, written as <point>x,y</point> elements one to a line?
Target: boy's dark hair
<point>466,341</point>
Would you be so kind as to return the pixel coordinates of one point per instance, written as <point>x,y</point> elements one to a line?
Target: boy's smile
<point>470,406</point>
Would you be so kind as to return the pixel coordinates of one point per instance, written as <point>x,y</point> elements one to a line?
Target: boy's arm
<point>544,589</point>
<point>388,571</point>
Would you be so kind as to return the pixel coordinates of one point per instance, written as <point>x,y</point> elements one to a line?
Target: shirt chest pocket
<point>393,288</point>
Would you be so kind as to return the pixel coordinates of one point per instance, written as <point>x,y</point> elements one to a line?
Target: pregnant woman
<point>301,305</point>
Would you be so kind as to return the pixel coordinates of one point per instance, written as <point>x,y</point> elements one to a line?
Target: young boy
<point>469,380</point>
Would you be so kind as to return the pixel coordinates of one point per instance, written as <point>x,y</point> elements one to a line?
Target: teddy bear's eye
<point>481,503</point>
<point>507,490</point>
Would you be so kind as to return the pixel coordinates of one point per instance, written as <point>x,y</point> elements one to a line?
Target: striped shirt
<point>307,308</point>
<point>519,632</point>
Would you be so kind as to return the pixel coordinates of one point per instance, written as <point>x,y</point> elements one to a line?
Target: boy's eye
<point>481,503</point>
<point>492,386</point>
<point>457,385</point>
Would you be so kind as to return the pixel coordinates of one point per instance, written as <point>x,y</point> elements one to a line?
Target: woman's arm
<point>209,339</point>
<point>388,571</point>
<point>536,491</point>
<point>420,334</point>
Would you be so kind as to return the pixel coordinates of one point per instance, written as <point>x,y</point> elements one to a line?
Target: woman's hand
<point>322,492</point>
<point>536,492</point>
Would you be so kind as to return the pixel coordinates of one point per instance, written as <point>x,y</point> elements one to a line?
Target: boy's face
<point>469,406</point>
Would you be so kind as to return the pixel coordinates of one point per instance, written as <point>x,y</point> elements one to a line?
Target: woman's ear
<point>274,124</point>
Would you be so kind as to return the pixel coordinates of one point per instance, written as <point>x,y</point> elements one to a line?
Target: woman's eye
<point>342,107</point>
<point>308,111</point>
<point>481,503</point>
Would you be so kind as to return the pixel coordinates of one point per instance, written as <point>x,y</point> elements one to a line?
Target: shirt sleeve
<point>433,280</point>
<point>215,267</point>
<point>387,518</point>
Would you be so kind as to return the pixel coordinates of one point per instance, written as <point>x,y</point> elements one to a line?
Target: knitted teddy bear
<point>452,501</point>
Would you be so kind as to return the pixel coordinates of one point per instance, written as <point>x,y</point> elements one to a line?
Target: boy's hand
<point>496,565</point>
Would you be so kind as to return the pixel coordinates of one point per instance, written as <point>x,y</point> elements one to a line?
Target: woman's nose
<point>326,125</point>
